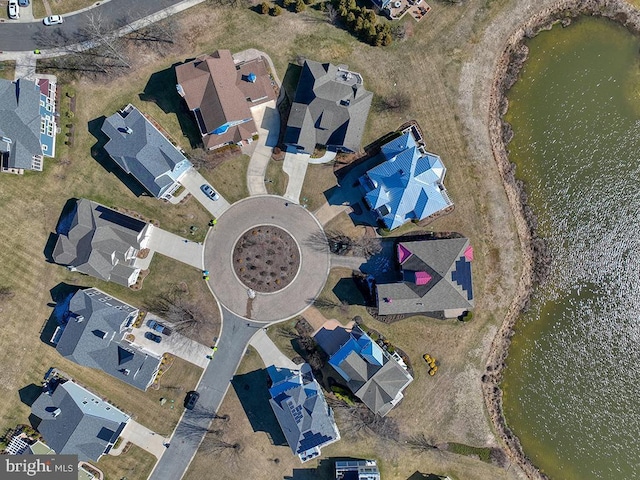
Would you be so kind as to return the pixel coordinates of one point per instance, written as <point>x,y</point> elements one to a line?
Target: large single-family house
<point>74,421</point>
<point>373,375</point>
<point>91,332</point>
<point>141,150</point>
<point>302,411</point>
<point>103,243</point>
<point>329,108</point>
<point>357,470</point>
<point>408,185</point>
<point>435,278</point>
<point>21,125</point>
<point>221,92</point>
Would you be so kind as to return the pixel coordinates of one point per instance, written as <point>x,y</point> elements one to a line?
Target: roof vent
<point>251,77</point>
<point>56,412</point>
<point>128,130</point>
<point>80,318</point>
<point>125,371</point>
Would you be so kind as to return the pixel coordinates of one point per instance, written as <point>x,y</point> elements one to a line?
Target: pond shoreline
<point>535,257</point>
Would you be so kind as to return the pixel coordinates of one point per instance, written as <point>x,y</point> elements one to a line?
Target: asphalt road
<point>236,332</point>
<point>25,36</point>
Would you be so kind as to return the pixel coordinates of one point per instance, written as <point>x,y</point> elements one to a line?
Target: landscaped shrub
<point>275,11</point>
<point>300,6</point>
<point>265,8</point>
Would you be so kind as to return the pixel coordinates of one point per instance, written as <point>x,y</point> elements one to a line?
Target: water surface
<point>572,386</point>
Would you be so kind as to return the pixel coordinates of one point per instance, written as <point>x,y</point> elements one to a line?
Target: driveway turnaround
<point>176,247</point>
<point>213,386</point>
<point>269,352</point>
<point>192,181</point>
<point>314,258</point>
<point>267,118</point>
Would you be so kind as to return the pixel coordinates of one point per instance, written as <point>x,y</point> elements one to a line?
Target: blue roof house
<point>302,411</point>
<point>407,185</point>
<point>374,376</point>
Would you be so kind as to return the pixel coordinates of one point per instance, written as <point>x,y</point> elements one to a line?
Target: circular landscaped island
<point>266,258</point>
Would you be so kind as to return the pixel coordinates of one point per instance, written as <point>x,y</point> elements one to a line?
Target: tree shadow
<point>253,393</point>
<point>62,226</point>
<point>61,295</point>
<point>161,90</point>
<point>29,394</point>
<point>101,156</point>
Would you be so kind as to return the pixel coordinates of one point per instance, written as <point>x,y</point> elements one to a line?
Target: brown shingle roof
<point>220,90</point>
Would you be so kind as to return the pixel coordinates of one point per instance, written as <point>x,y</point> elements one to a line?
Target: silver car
<point>53,20</point>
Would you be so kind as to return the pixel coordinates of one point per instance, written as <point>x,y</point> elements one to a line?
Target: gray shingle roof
<point>371,375</point>
<point>20,122</point>
<point>94,327</point>
<point>137,146</point>
<point>440,259</point>
<point>75,421</point>
<point>330,108</point>
<point>301,409</point>
<point>100,242</point>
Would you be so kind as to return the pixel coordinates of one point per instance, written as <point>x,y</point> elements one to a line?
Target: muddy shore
<point>535,257</point>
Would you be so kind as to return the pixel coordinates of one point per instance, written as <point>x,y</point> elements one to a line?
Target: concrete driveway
<point>143,437</point>
<point>295,165</point>
<point>267,119</point>
<point>176,247</point>
<point>269,352</point>
<point>192,181</point>
<point>175,344</point>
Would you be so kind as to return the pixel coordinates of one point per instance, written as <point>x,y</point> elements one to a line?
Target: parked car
<point>23,3</point>
<point>158,327</point>
<point>153,337</point>
<point>53,20</point>
<point>209,192</point>
<point>14,11</point>
<point>191,400</point>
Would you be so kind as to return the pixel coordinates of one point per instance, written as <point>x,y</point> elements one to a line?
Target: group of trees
<point>364,23</point>
<point>273,9</point>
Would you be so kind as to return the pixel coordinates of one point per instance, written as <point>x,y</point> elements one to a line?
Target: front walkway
<point>192,181</point>
<point>295,165</point>
<point>269,352</point>
<point>176,247</point>
<point>267,118</point>
<point>142,437</point>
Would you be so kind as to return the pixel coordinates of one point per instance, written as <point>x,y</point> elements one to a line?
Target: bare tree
<point>332,14</point>
<point>105,37</point>
<point>158,36</point>
<point>6,293</point>
<point>420,443</point>
<point>359,419</point>
<point>397,100</point>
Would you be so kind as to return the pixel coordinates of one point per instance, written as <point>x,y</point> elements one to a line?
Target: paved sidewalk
<point>25,67</point>
<point>267,119</point>
<point>326,158</point>
<point>192,181</point>
<point>143,437</point>
<point>295,165</point>
<point>176,247</point>
<point>327,212</point>
<point>269,352</point>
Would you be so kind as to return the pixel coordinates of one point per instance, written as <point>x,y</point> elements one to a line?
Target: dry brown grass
<point>7,69</point>
<point>135,464</point>
<point>59,7</point>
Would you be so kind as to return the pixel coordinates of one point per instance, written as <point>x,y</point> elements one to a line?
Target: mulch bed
<point>266,259</point>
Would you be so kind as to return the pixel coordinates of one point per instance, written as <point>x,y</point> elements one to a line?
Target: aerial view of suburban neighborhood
<point>319,239</point>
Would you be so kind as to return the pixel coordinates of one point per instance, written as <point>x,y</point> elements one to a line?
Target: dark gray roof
<point>94,326</point>
<point>301,409</point>
<point>20,122</point>
<point>75,421</point>
<point>330,108</point>
<point>141,150</point>
<point>100,242</point>
<point>444,260</point>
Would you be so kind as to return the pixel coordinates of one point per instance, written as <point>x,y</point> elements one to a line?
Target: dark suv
<point>191,400</point>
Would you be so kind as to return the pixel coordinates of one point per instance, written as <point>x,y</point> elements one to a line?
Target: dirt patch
<point>266,259</point>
